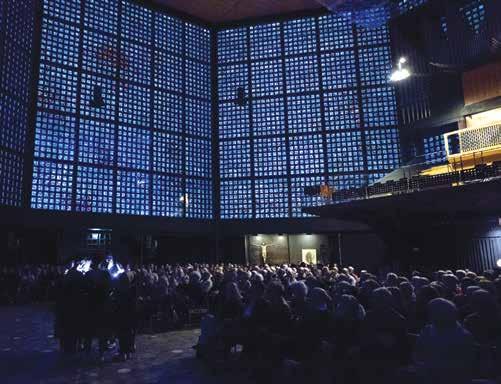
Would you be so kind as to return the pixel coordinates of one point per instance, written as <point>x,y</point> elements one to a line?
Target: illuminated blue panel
<point>298,198</point>
<point>336,32</point>
<point>59,43</point>
<point>340,182</point>
<point>304,113</point>
<point>20,22</point>
<point>375,177</point>
<point>198,118</point>
<point>136,22</point>
<point>168,33</point>
<point>198,45</point>
<point>474,14</point>
<point>232,45</point>
<point>233,120</point>
<point>270,156</point>
<point>236,199</point>
<point>198,157</point>
<point>341,110</point>
<point>197,79</point>
<point>231,77</point>
<point>339,70</point>
<point>101,54</point>
<point>265,41</point>
<point>13,123</point>
<point>268,117</point>
<point>345,152</point>
<point>267,78</point>
<point>102,15</point>
<point>16,71</point>
<point>168,71</point>
<point>383,149</point>
<point>133,196</point>
<point>55,136</point>
<point>137,63</point>
<point>434,149</point>
<point>167,152</point>
<point>235,158</point>
<point>408,5</point>
<point>167,111</point>
<point>373,36</point>
<point>134,105</point>
<point>57,89</point>
<point>52,185</point>
<point>271,198</point>
<point>94,190</point>
<point>11,176</point>
<point>92,86</point>
<point>133,148</point>
<point>96,142</point>
<point>380,107</point>
<point>375,65</point>
<point>302,74</point>
<point>300,36</point>
<point>67,10</point>
<point>199,199</point>
<point>306,154</point>
<point>167,191</point>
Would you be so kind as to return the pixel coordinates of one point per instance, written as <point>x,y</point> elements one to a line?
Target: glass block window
<point>235,158</point>
<point>199,202</point>
<point>336,32</point>
<point>265,41</point>
<point>269,117</point>
<point>474,13</point>
<point>169,33</point>
<point>339,70</point>
<point>16,72</point>
<point>232,77</point>
<point>94,190</point>
<point>298,198</point>
<point>167,152</point>
<point>93,89</point>
<point>373,36</point>
<point>57,89</point>
<point>11,175</point>
<point>300,36</point>
<point>102,15</point>
<point>52,185</point>
<point>341,110</point>
<point>345,152</point>
<point>267,78</point>
<point>234,120</point>
<point>198,118</point>
<point>55,137</point>
<point>198,79</point>
<point>302,74</point>
<point>168,71</point>
<point>66,10</point>
<point>96,142</point>
<point>306,154</point>
<point>271,198</point>
<point>136,22</point>
<point>132,193</point>
<point>383,149</point>
<point>232,45</point>
<point>101,54</point>
<point>133,148</point>
<point>198,157</point>
<point>340,182</point>
<point>59,43</point>
<point>198,44</point>
<point>375,65</point>
<point>270,156</point>
<point>13,123</point>
<point>134,105</point>
<point>136,66</point>
<point>375,177</point>
<point>167,192</point>
<point>380,107</point>
<point>167,111</point>
<point>434,149</point>
<point>304,114</point>
<point>236,199</point>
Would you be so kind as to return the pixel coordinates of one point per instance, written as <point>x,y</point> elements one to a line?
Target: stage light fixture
<point>400,73</point>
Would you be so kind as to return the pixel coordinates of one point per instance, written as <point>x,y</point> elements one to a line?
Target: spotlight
<point>401,73</point>
<point>498,263</point>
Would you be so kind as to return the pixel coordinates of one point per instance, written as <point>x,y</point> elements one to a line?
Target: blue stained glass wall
<point>303,102</point>
<point>124,112</point>
<point>16,43</point>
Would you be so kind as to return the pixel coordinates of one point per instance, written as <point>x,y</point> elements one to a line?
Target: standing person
<point>126,315</point>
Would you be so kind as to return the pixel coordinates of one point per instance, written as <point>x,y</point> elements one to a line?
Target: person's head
<point>381,299</point>
<point>348,308</point>
<point>275,291</point>
<point>391,280</point>
<point>232,293</point>
<point>319,299</point>
<point>426,294</point>
<point>442,313</point>
<point>298,291</point>
<point>484,303</point>
<point>407,291</point>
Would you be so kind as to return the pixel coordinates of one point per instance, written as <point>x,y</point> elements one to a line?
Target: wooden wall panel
<point>482,83</point>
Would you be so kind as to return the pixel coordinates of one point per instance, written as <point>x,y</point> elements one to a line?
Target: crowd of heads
<point>368,324</point>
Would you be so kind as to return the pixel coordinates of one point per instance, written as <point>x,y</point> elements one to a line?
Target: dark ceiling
<point>220,11</point>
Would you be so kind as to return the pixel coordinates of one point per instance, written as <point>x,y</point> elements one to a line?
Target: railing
<point>471,140</point>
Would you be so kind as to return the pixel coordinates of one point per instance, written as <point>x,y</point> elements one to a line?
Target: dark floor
<point>29,354</point>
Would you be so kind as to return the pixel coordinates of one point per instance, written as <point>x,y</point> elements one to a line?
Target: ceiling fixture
<point>401,73</point>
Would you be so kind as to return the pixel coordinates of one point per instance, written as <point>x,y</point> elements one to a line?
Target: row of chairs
<point>417,183</point>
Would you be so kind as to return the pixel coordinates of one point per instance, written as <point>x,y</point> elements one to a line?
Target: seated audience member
<point>485,321</point>
<point>424,295</point>
<point>444,349</point>
<point>299,292</point>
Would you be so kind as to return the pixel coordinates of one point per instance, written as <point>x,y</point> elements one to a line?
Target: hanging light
<point>401,73</point>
